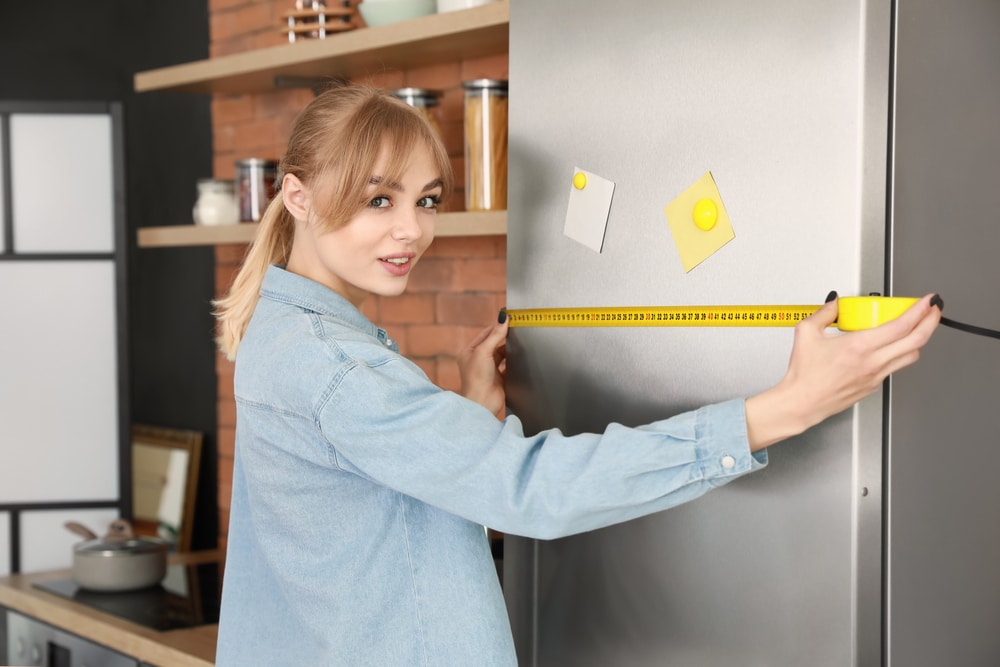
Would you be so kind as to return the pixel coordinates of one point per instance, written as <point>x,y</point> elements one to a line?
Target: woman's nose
<point>406,227</point>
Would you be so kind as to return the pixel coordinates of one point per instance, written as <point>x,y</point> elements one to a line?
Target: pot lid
<point>120,541</point>
<point>121,548</point>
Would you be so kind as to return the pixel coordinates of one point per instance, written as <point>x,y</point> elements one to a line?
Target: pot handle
<point>81,530</point>
<point>120,531</point>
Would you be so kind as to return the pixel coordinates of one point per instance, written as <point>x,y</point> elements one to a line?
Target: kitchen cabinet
<point>434,39</point>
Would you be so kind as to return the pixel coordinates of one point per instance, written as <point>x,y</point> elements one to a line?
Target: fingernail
<point>936,300</point>
<point>502,317</point>
<point>831,296</point>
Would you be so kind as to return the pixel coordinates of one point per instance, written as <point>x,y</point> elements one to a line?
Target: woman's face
<point>376,250</point>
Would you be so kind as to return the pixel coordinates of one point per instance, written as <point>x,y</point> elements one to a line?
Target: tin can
<point>485,145</point>
<point>255,179</point>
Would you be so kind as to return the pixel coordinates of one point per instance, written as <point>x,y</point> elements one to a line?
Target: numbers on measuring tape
<point>662,316</point>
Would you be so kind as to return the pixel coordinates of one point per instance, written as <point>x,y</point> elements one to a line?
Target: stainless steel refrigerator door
<point>943,531</point>
<point>786,103</point>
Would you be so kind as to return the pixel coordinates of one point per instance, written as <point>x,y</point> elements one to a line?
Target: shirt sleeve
<point>389,423</point>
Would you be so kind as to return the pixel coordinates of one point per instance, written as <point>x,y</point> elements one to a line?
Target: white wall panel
<point>58,385</point>
<point>3,198</point>
<point>4,544</point>
<point>62,182</point>
<point>46,543</point>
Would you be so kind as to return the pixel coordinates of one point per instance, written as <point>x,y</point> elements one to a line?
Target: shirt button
<point>388,342</point>
<point>728,462</point>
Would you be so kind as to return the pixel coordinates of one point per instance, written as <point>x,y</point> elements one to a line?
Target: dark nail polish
<point>831,296</point>
<point>936,300</point>
<point>502,317</point>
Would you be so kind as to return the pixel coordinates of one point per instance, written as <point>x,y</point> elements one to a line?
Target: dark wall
<point>67,50</point>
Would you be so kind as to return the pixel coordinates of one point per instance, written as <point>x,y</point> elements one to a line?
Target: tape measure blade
<point>662,316</point>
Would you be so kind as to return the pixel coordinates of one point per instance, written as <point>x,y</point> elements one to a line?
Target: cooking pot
<point>120,561</point>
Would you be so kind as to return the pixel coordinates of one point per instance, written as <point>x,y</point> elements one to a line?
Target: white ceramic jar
<point>216,203</point>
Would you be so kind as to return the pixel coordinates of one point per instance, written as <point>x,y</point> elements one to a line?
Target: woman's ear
<point>296,197</point>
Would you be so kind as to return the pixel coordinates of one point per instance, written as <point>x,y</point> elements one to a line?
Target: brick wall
<point>454,291</point>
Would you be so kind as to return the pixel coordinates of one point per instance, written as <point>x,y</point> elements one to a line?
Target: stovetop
<point>188,597</point>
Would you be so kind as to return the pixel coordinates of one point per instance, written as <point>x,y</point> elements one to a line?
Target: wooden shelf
<point>489,223</point>
<point>428,40</point>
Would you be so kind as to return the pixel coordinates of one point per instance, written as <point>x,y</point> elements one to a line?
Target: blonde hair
<point>333,149</point>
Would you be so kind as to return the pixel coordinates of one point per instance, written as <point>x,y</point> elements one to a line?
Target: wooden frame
<point>165,464</point>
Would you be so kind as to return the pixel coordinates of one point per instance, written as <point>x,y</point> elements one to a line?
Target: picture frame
<point>165,465</point>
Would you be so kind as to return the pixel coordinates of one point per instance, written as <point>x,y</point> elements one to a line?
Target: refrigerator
<point>856,148</point>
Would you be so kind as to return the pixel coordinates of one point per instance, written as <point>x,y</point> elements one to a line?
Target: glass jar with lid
<point>485,144</point>
<point>255,178</point>
<point>424,100</point>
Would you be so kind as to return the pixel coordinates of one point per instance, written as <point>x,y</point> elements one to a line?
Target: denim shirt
<point>360,492</point>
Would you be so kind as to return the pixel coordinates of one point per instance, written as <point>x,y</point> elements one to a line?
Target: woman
<point>360,489</point>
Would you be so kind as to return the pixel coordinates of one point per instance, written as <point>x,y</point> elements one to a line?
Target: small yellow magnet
<point>580,180</point>
<point>705,214</point>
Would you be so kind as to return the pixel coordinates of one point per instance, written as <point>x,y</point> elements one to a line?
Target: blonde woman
<point>360,489</point>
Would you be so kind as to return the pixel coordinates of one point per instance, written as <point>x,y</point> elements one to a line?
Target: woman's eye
<point>429,202</point>
<point>380,202</point>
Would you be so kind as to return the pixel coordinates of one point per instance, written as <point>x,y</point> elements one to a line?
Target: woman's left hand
<point>481,366</point>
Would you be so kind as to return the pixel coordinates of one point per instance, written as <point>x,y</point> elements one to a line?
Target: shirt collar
<point>284,286</point>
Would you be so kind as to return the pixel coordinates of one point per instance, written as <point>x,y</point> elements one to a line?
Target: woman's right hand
<point>831,371</point>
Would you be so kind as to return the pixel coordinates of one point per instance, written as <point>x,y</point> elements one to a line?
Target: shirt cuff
<point>723,445</point>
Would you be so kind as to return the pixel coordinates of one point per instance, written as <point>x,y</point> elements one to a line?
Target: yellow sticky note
<point>699,222</point>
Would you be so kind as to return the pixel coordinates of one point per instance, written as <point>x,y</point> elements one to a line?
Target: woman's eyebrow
<point>393,185</point>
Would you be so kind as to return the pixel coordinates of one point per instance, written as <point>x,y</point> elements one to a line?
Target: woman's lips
<point>397,266</point>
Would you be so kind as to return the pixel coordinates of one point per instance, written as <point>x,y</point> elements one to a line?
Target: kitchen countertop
<point>189,647</point>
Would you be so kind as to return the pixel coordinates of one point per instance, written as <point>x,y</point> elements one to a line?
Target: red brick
<point>448,376</point>
<point>431,340</point>
<point>230,254</point>
<point>256,138</point>
<point>228,109</point>
<point>489,67</point>
<point>427,365</point>
<point>223,140</point>
<point>463,247</point>
<point>432,274</point>
<point>436,77</point>
<point>453,104</point>
<point>488,275</point>
<point>225,490</point>
<point>465,308</point>
<point>408,308</point>
<point>227,441</point>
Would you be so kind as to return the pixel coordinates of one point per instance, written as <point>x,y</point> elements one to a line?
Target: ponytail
<point>271,246</point>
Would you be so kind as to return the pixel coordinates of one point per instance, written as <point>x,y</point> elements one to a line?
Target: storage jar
<point>216,203</point>
<point>256,179</point>
<point>485,144</point>
<point>424,100</point>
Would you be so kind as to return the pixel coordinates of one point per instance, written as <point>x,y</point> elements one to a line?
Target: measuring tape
<point>854,313</point>
<point>662,316</point>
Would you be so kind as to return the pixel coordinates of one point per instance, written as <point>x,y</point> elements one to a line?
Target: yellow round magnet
<point>705,214</point>
<point>864,312</point>
<point>580,180</point>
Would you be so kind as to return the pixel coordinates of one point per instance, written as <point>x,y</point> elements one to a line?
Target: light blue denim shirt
<point>360,492</point>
